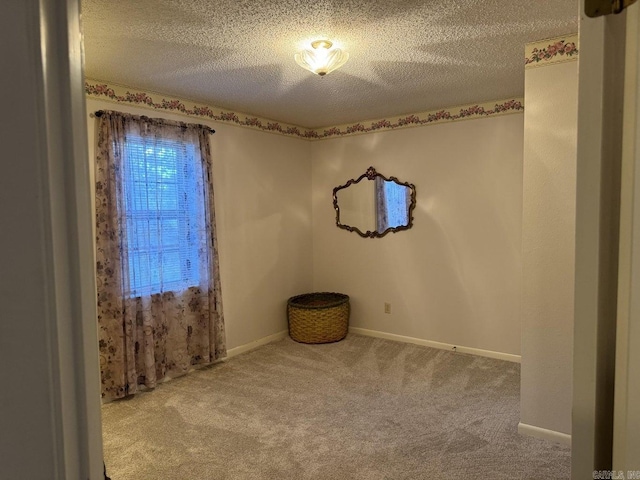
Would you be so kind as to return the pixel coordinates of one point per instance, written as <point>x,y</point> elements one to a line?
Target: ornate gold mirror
<point>376,206</point>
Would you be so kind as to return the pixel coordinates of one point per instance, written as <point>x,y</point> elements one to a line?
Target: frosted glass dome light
<point>322,59</point>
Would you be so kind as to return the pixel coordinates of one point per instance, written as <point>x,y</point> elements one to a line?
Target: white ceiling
<point>405,56</point>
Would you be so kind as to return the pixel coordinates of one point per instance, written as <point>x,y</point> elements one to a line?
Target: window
<point>164,211</point>
<point>395,196</point>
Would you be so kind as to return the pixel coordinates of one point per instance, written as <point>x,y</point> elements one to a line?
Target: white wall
<point>263,208</point>
<point>548,245</point>
<point>455,276</point>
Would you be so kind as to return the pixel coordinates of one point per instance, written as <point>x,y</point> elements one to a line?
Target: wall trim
<point>543,433</point>
<point>123,94</point>
<point>551,51</point>
<point>233,352</point>
<point>432,117</point>
<point>442,346</point>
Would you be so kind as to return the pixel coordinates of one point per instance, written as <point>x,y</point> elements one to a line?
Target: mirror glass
<point>374,205</point>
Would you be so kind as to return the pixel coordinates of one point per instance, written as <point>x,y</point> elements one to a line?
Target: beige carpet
<point>362,408</point>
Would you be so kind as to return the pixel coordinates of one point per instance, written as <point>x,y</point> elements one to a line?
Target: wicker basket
<point>318,317</point>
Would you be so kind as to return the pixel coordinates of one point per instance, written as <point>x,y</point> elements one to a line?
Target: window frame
<point>135,247</point>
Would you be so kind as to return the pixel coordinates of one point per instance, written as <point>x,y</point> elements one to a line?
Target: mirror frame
<point>371,174</point>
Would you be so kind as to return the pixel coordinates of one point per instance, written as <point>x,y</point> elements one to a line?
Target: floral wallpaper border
<point>550,51</point>
<point>156,101</point>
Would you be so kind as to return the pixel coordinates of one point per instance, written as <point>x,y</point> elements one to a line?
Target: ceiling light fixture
<point>322,59</point>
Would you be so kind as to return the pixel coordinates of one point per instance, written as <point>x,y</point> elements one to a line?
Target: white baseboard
<point>551,435</point>
<point>256,343</point>
<point>443,346</point>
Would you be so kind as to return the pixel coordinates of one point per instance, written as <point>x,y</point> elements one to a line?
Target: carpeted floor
<point>363,408</point>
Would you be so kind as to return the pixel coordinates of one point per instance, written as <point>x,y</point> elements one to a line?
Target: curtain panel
<point>154,320</point>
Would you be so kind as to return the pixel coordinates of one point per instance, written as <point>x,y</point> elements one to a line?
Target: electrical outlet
<point>387,307</point>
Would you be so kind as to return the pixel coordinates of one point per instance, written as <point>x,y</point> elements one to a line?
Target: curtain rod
<point>98,114</point>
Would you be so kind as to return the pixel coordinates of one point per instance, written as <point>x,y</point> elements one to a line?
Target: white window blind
<point>396,204</point>
<point>164,212</point>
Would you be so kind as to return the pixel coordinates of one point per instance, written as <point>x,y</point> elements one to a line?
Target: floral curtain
<point>148,334</point>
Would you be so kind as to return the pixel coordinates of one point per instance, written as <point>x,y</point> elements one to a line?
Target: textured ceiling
<point>405,56</point>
